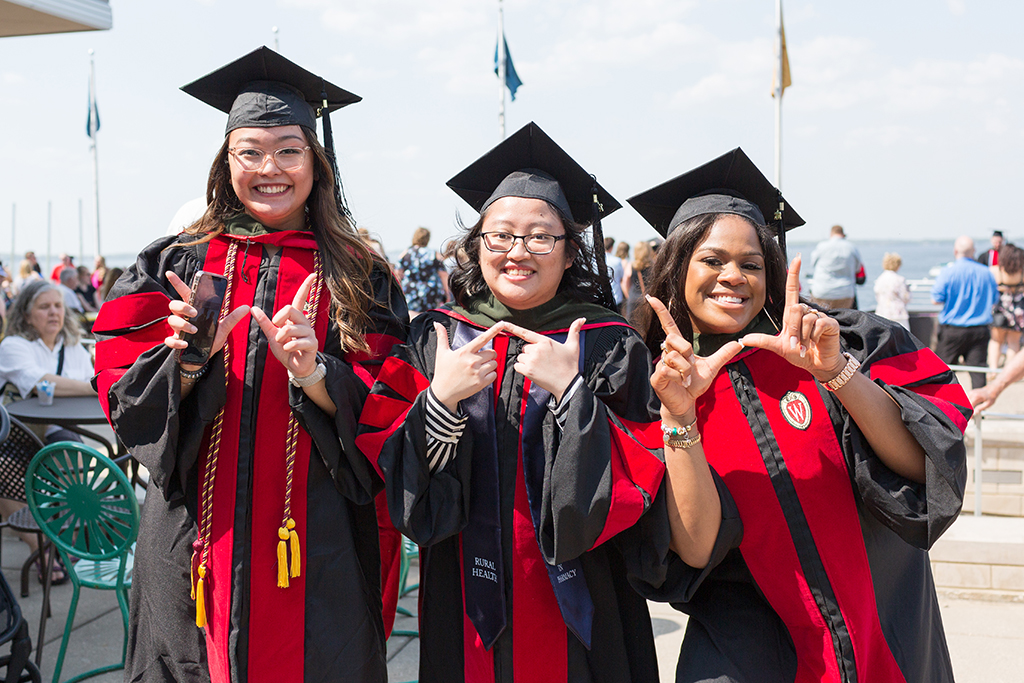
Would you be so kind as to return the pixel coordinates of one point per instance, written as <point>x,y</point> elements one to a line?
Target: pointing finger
<point>793,282</point>
<point>526,335</point>
<point>302,295</point>
<point>573,337</point>
<point>481,341</point>
<point>268,327</point>
<point>667,323</point>
<point>183,290</point>
<point>442,336</point>
<point>719,358</point>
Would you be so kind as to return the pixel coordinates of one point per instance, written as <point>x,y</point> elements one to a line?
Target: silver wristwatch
<point>310,379</point>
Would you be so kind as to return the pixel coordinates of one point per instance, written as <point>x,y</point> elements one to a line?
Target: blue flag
<point>512,81</point>
<point>93,112</point>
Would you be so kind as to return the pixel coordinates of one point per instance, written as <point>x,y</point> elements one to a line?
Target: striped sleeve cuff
<point>561,408</point>
<point>444,429</point>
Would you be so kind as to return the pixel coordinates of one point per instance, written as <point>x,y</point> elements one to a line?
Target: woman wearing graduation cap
<point>825,451</point>
<point>517,436</point>
<point>259,526</point>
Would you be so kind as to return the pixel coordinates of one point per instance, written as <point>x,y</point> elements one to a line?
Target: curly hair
<point>580,280</point>
<point>18,314</point>
<point>1011,259</point>
<point>673,263</point>
<point>347,261</point>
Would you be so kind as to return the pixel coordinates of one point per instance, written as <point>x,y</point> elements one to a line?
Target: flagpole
<point>778,94</point>
<point>501,72</point>
<point>94,135</point>
<point>49,234</point>
<point>81,234</point>
<point>14,215</point>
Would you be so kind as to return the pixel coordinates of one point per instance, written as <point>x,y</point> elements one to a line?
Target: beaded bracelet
<point>680,437</point>
<point>193,375</point>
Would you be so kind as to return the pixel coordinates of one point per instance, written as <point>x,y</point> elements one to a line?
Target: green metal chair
<point>86,506</point>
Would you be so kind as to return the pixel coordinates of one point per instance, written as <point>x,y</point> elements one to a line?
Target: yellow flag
<point>784,60</point>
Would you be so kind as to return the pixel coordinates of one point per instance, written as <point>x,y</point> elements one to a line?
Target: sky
<point>903,121</point>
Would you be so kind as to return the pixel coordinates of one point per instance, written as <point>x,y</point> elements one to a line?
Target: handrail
<point>978,439</point>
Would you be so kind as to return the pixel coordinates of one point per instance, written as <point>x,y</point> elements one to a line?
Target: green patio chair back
<point>87,507</point>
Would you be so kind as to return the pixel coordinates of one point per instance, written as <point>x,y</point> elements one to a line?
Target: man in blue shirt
<point>967,291</point>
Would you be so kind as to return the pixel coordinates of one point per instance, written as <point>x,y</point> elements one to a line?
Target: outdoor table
<point>71,412</point>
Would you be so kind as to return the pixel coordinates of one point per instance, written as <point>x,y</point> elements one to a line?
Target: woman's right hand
<point>181,311</point>
<point>461,373</point>
<point>681,376</point>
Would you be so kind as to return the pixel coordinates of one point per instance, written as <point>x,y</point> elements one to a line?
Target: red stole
<point>276,621</point>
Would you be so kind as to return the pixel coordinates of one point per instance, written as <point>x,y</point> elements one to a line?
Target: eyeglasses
<point>286,158</point>
<point>537,244</point>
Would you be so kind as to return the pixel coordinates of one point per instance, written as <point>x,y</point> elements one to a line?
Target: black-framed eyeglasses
<point>537,244</point>
<point>286,158</point>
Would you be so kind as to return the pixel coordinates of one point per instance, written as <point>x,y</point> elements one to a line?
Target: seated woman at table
<point>43,343</point>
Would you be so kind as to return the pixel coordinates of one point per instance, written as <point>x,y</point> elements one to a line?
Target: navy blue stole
<point>481,539</point>
<point>567,579</point>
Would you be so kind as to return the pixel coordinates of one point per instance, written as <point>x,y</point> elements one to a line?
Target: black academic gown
<point>820,571</point>
<point>339,632</point>
<point>599,476</point>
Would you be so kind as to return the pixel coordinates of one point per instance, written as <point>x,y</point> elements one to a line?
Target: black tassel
<point>781,226</point>
<point>339,194</point>
<point>607,299</point>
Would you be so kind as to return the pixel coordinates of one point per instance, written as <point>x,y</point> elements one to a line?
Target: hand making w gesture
<point>809,338</point>
<point>547,363</point>
<point>291,337</point>
<point>681,376</point>
<point>182,311</point>
<point>461,373</point>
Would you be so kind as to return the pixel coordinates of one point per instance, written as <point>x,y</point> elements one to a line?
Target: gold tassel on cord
<point>293,539</point>
<point>282,558</point>
<point>200,595</point>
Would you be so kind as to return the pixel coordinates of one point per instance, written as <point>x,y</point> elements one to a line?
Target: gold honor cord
<point>210,470</point>
<point>286,535</point>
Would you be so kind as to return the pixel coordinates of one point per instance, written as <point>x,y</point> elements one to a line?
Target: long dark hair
<point>580,280</point>
<point>673,263</point>
<point>347,262</point>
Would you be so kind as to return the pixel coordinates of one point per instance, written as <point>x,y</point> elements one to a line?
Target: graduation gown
<point>327,625</point>
<point>599,474</point>
<point>820,571</point>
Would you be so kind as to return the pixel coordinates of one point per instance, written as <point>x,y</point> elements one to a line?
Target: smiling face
<point>519,279</point>
<point>275,198</point>
<point>725,284</point>
<point>47,315</point>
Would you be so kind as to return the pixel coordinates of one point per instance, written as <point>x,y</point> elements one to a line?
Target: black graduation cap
<point>530,164</point>
<point>729,184</point>
<point>263,89</point>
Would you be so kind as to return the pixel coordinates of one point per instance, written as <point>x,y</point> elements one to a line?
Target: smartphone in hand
<point>208,291</point>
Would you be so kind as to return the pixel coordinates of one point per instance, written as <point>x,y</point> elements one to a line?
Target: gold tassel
<point>293,539</point>
<point>200,596</point>
<point>192,575</point>
<point>282,558</point>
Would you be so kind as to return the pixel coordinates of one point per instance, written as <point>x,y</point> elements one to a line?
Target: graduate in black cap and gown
<point>517,436</point>
<point>259,527</point>
<point>813,458</point>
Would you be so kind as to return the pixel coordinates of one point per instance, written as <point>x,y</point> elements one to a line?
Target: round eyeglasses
<point>537,244</point>
<point>286,158</point>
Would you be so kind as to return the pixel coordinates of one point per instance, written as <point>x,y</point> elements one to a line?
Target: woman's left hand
<point>291,337</point>
<point>545,362</point>
<point>809,338</point>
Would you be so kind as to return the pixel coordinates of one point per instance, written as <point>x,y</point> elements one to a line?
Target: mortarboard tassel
<point>781,231</point>
<point>339,194</point>
<point>607,298</point>
<point>282,557</point>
